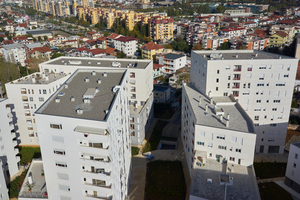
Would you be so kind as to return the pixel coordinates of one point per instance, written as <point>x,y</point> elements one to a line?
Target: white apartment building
<point>292,178</point>
<point>127,44</point>
<point>219,141</point>
<point>8,143</point>
<point>261,82</point>
<point>14,53</point>
<point>26,95</point>
<point>85,136</point>
<point>172,62</point>
<point>140,87</point>
<point>3,188</point>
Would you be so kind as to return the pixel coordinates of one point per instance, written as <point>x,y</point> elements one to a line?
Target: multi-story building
<point>26,95</point>
<point>14,53</point>
<point>85,136</point>
<point>262,82</point>
<point>278,39</point>
<point>43,53</point>
<point>172,62</point>
<point>161,27</point>
<point>151,49</point>
<point>3,188</point>
<point>140,87</point>
<point>292,178</point>
<point>127,44</point>
<point>219,141</point>
<point>8,143</point>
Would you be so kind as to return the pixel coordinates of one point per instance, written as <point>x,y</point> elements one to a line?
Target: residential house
<point>172,62</point>
<point>30,46</point>
<point>21,39</point>
<point>233,32</point>
<point>92,35</point>
<point>161,93</point>
<point>43,53</point>
<point>102,42</point>
<point>111,38</point>
<point>278,39</point>
<point>14,53</point>
<point>151,49</point>
<point>127,44</point>
<point>157,70</point>
<point>4,36</point>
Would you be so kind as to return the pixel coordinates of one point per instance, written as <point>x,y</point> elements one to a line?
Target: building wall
<point>204,77</point>
<point>10,160</point>
<point>116,147</point>
<point>3,188</point>
<point>293,168</point>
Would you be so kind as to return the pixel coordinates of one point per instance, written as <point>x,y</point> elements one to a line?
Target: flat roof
<point>205,182</point>
<point>297,145</point>
<point>39,78</point>
<point>12,46</point>
<point>40,189</point>
<point>38,32</point>
<point>238,118</point>
<point>77,88</point>
<point>241,55</point>
<point>94,62</point>
<point>160,88</point>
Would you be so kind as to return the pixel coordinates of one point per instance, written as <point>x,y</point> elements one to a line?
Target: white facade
<point>261,82</point>
<point>26,95</point>
<point>8,149</point>
<point>3,187</point>
<point>215,128</point>
<point>139,88</point>
<point>172,62</point>
<point>292,178</point>
<point>87,151</point>
<point>14,53</point>
<point>128,47</point>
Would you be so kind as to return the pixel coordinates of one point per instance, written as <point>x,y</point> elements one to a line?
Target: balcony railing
<point>26,194</point>
<point>26,107</point>
<point>235,95</point>
<point>237,69</point>
<point>98,160</point>
<point>235,87</point>
<point>23,92</point>
<point>237,78</point>
<point>132,90</point>
<point>98,197</point>
<point>101,173</point>
<point>104,186</point>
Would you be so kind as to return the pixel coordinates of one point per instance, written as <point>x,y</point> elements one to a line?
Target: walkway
<point>271,157</point>
<point>267,180</point>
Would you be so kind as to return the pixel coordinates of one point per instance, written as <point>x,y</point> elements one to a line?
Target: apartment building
<point>292,178</point>
<point>161,26</point>
<point>261,82</point>
<point>219,141</point>
<point>151,49</point>
<point>172,62</point>
<point>43,53</point>
<point>14,53</point>
<point>26,95</point>
<point>85,136</point>
<point>8,144</point>
<point>127,44</point>
<point>140,87</point>
<point>3,188</point>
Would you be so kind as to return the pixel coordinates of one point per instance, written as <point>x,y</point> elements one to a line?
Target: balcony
<point>98,197</point>
<point>237,69</point>
<point>132,90</point>
<point>99,173</point>
<point>26,107</point>
<point>98,185</point>
<point>236,78</point>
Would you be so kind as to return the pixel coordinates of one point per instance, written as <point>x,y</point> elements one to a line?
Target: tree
<point>220,9</point>
<point>1,39</point>
<point>45,37</point>
<point>39,38</point>
<point>56,55</point>
<point>121,54</point>
<point>294,104</point>
<point>168,46</point>
<point>197,46</point>
<point>8,72</point>
<point>106,34</point>
<point>224,46</point>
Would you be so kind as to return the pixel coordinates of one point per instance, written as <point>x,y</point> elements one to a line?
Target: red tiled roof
<point>23,37</point>
<point>90,41</point>
<point>40,49</point>
<point>91,33</point>
<point>8,42</point>
<point>22,25</point>
<point>97,51</point>
<point>50,39</point>
<point>103,38</point>
<point>125,39</point>
<point>152,46</point>
<point>109,50</point>
<point>281,33</point>
<point>113,36</point>
<point>156,66</point>
<point>2,35</point>
<point>82,49</point>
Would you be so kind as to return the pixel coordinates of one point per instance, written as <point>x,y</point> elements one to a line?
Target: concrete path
<point>267,180</point>
<point>271,157</point>
<point>290,190</point>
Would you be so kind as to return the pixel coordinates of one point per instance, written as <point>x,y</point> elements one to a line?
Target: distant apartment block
<point>172,62</point>
<point>85,136</point>
<point>126,44</point>
<point>161,26</point>
<point>14,53</point>
<point>261,82</point>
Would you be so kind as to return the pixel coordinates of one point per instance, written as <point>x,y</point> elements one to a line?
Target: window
<point>228,85</point>
<point>222,147</point>
<point>260,84</point>
<point>280,66</point>
<point>274,109</point>
<point>229,77</point>
<point>279,116</point>
<point>286,75</point>
<point>202,133</point>
<point>280,84</point>
<point>200,143</point>
<point>256,117</point>
<point>262,67</point>
<point>249,75</point>
<point>248,85</point>
<point>276,101</point>
<point>210,145</point>
<point>227,67</point>
<point>218,71</point>
<point>257,109</point>
<point>238,150</point>
<point>258,101</point>
<point>274,125</point>
<point>217,88</point>
<point>295,165</point>
<point>41,99</point>
<point>217,80</point>
<point>246,93</point>
<point>221,137</point>
<point>61,164</point>
<point>261,76</point>
<point>30,98</point>
<point>232,159</point>
<point>44,91</point>
<point>296,156</point>
<point>56,126</point>
<point>63,176</point>
<point>256,124</point>
<point>233,139</point>
<point>59,152</point>
<point>64,187</point>
<point>40,92</point>
<point>225,94</point>
<point>57,139</point>
<point>249,68</point>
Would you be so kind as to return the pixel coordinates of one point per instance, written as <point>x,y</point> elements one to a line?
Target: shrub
<point>134,151</point>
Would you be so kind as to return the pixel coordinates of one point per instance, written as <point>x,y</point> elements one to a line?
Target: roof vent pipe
<point>227,123</point>
<point>209,94</point>
<point>106,111</point>
<point>87,79</point>
<point>99,81</point>
<point>105,74</point>
<point>33,80</point>
<point>256,54</point>
<point>47,78</point>
<point>199,101</point>
<point>221,117</point>
<point>57,100</point>
<point>79,111</point>
<point>93,73</point>
<point>72,98</point>
<point>236,56</point>
<point>86,100</point>
<point>211,101</point>
<point>228,116</point>
<point>66,85</point>
<point>206,107</point>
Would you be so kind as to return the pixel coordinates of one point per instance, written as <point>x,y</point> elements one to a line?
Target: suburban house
<point>151,49</point>
<point>278,39</point>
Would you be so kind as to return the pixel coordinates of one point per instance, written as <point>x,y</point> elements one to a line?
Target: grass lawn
<point>163,111</point>
<point>134,151</point>
<point>272,191</point>
<point>15,186</point>
<point>27,153</point>
<point>269,170</point>
<point>165,180</point>
<point>156,136</point>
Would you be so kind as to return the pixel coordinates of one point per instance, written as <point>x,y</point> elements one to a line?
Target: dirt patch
<point>289,135</point>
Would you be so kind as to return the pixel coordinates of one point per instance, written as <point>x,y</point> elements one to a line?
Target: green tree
<point>224,46</point>
<point>294,104</point>
<point>39,38</point>
<point>56,55</point>
<point>121,54</point>
<point>197,46</point>
<point>1,39</point>
<point>106,33</point>
<point>220,9</point>
<point>45,37</point>
<point>8,72</point>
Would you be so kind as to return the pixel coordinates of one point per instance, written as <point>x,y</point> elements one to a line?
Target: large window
<point>56,126</point>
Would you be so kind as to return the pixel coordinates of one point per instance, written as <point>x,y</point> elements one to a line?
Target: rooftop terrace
<point>35,174</point>
<point>39,78</point>
<point>208,112</point>
<point>240,55</point>
<point>99,62</point>
<point>87,95</point>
